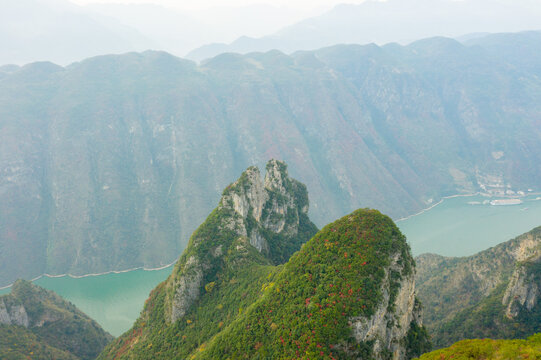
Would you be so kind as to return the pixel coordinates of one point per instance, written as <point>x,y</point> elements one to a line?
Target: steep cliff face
<point>388,328</point>
<point>51,327</point>
<point>494,293</point>
<point>271,214</point>
<point>112,162</point>
<point>522,292</point>
<point>259,222</point>
<point>349,292</point>
<point>14,314</point>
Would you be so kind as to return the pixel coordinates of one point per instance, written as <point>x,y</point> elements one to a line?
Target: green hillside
<point>488,349</point>
<point>38,324</point>
<point>337,278</point>
<point>349,290</point>
<point>493,294</point>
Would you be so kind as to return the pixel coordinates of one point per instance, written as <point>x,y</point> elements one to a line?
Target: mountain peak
<point>275,204</point>
<point>257,221</point>
<point>348,293</point>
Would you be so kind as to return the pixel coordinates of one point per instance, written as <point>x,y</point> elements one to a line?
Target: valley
<point>109,164</point>
<point>115,300</point>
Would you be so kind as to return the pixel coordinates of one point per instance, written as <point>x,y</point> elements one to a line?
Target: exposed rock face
<point>15,315</point>
<point>189,288</point>
<point>268,214</point>
<point>388,327</point>
<point>276,204</point>
<point>52,320</point>
<point>523,290</point>
<point>454,289</point>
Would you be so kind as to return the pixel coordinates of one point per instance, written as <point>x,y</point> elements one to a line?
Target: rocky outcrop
<point>497,285</point>
<point>267,213</point>
<point>189,288</point>
<point>52,321</point>
<point>523,291</point>
<point>275,203</point>
<point>389,326</point>
<point>15,315</point>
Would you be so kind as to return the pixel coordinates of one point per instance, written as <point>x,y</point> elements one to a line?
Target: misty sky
<point>58,31</point>
<point>203,4</point>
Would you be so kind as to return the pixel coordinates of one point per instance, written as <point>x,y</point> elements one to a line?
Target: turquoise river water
<point>454,227</point>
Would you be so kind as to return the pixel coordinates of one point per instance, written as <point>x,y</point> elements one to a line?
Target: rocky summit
<point>271,216</point>
<point>246,287</point>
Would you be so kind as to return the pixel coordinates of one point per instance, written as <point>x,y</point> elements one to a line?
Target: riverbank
<point>95,274</point>
<point>436,204</point>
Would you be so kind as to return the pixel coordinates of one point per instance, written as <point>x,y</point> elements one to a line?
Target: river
<point>455,227</point>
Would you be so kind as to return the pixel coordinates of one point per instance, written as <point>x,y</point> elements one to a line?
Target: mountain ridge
<point>357,272</point>
<point>497,291</point>
<point>106,167</point>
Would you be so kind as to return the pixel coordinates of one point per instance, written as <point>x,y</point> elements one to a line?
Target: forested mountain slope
<point>493,294</point>
<point>38,324</point>
<point>489,349</point>
<point>110,163</point>
<point>348,292</point>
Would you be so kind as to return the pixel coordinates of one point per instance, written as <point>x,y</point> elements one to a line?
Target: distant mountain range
<point>62,32</point>
<point>110,163</point>
<point>59,31</point>
<point>382,22</point>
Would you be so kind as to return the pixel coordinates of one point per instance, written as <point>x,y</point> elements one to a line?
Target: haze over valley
<point>301,179</point>
<point>63,31</point>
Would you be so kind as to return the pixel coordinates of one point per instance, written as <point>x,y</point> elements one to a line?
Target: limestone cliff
<point>523,291</point>
<point>494,293</point>
<point>242,290</point>
<point>13,315</point>
<point>389,326</point>
<point>272,214</point>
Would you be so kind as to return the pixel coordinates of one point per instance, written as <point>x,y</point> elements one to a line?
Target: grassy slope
<point>17,342</point>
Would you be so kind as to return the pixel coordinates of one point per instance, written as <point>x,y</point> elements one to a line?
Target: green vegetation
<point>490,349</point>
<point>233,273</point>
<point>111,163</point>
<point>306,311</point>
<point>250,308</point>
<point>18,343</point>
<point>56,328</point>
<point>463,298</point>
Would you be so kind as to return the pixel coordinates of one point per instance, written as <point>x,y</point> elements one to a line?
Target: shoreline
<point>436,204</point>
<point>95,274</point>
<point>173,263</point>
<point>465,195</point>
